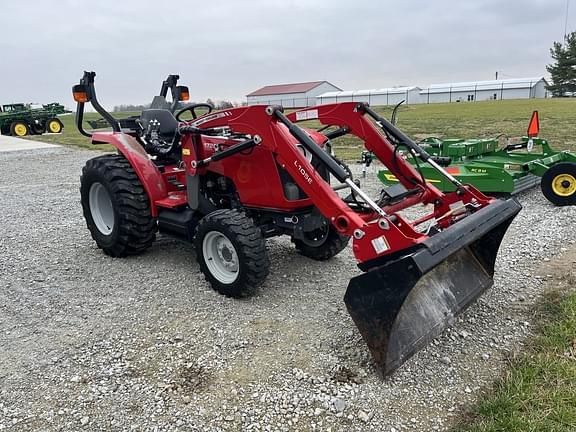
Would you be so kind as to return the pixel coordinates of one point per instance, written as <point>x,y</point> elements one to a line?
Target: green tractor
<point>497,170</point>
<point>27,119</point>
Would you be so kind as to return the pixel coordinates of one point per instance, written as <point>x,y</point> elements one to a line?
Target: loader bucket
<point>401,304</point>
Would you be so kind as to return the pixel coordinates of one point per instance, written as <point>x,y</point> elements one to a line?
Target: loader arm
<point>377,135</point>
<point>375,233</point>
<point>346,115</point>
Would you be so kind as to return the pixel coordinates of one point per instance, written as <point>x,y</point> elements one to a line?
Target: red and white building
<point>297,95</point>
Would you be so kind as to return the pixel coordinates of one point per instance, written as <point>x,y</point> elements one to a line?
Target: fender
<point>145,169</point>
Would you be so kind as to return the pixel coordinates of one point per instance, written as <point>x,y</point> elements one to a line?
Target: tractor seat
<point>161,120</point>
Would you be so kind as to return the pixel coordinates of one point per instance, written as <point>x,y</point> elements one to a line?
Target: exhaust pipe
<point>401,303</point>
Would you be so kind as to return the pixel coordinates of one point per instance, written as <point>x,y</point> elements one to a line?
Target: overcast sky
<point>224,49</point>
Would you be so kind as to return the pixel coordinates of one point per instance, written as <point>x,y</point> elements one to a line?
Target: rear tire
<point>559,184</point>
<point>19,129</point>
<point>116,206</point>
<point>322,245</point>
<point>231,252</point>
<point>54,125</point>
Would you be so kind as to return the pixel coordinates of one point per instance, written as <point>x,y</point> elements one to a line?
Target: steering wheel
<point>192,108</point>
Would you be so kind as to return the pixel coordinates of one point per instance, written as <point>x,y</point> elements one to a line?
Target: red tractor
<point>227,180</point>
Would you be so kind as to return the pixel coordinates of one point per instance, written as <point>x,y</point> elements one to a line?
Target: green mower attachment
<point>500,171</point>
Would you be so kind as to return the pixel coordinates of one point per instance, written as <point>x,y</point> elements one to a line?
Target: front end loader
<point>229,179</point>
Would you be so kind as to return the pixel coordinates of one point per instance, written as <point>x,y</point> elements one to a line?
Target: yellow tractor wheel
<point>54,125</point>
<point>559,184</point>
<point>564,185</point>
<point>19,129</point>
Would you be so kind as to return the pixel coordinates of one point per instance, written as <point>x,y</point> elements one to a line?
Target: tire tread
<point>136,227</point>
<point>252,250</point>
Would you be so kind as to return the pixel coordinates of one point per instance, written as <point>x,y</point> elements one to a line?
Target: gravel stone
<point>155,348</point>
<point>364,416</point>
<point>339,405</point>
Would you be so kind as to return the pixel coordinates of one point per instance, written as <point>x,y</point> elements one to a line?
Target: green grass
<point>462,120</point>
<point>485,119</point>
<point>71,136</point>
<point>538,390</point>
<point>478,119</point>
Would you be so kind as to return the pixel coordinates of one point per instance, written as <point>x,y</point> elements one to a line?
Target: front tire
<point>559,184</point>
<point>231,252</point>
<point>19,129</point>
<point>116,206</point>
<point>321,244</point>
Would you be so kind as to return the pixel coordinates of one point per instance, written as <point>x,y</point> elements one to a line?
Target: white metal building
<point>384,96</point>
<point>297,95</point>
<point>517,88</point>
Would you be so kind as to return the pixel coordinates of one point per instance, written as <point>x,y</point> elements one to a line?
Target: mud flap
<point>400,304</point>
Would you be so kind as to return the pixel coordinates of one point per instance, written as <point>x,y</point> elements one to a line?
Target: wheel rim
<point>220,257</point>
<point>20,129</point>
<point>564,185</point>
<point>101,208</point>
<point>54,127</point>
<point>317,237</point>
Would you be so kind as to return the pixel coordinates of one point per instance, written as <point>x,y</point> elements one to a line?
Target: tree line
<point>218,104</point>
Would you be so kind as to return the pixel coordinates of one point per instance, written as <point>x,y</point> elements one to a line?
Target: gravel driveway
<point>89,342</point>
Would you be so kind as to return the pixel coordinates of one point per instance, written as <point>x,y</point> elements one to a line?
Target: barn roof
<point>512,83</point>
<point>288,88</point>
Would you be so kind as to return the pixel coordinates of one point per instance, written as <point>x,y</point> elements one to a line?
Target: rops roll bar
<point>85,92</point>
